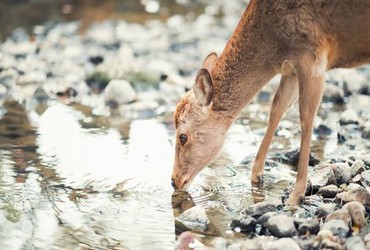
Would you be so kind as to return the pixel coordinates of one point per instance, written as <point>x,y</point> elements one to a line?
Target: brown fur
<point>300,39</point>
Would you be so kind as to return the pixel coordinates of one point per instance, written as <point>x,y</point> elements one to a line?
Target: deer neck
<point>245,66</point>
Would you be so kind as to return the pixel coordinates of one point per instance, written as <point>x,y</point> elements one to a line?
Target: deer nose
<point>173,183</point>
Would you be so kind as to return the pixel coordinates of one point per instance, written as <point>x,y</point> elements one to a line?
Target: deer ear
<point>203,88</point>
<point>210,61</point>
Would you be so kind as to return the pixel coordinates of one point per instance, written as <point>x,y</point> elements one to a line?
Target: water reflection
<point>72,179</point>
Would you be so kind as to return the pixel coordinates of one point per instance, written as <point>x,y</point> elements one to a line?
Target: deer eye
<point>183,139</point>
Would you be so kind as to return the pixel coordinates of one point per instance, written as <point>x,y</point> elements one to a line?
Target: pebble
<point>308,226</point>
<point>360,194</point>
<point>324,209</point>
<point>355,243</point>
<point>245,224</point>
<point>281,226</point>
<point>357,213</point>
<point>337,227</point>
<point>349,116</point>
<point>340,214</point>
<point>194,218</point>
<point>329,191</point>
<point>282,244</point>
<point>357,167</point>
<point>119,91</point>
<point>365,128</point>
<point>324,175</point>
<point>260,208</point>
<point>365,178</point>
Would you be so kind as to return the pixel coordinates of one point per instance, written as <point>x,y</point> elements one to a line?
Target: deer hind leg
<point>285,96</point>
<point>311,84</point>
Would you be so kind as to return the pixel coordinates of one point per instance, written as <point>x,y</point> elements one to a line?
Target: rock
<point>357,167</point>
<point>323,130</point>
<point>97,81</point>
<point>194,218</point>
<point>281,226</point>
<point>262,220</point>
<point>329,191</point>
<point>292,158</point>
<point>349,117</point>
<point>282,244</point>
<point>355,243</point>
<point>325,234</point>
<point>309,226</point>
<point>367,241</point>
<point>360,194</point>
<point>334,94</point>
<point>244,225</point>
<point>8,77</point>
<point>357,213</point>
<point>329,244</point>
<point>34,77</point>
<point>325,209</point>
<point>349,134</point>
<point>365,178</point>
<point>323,176</point>
<point>342,172</point>
<point>337,227</point>
<point>258,209</point>
<point>119,92</point>
<point>340,214</point>
<point>365,128</point>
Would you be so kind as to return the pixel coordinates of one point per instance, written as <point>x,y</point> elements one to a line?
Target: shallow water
<point>65,186</point>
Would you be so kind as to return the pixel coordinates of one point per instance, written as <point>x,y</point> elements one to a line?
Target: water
<point>65,186</point>
<point>71,178</point>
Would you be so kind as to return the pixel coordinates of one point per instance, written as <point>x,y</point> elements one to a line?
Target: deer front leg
<point>285,96</point>
<point>311,85</point>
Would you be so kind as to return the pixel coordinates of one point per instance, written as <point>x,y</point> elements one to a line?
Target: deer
<point>299,39</point>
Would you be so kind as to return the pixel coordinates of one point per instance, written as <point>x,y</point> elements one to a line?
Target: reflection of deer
<point>300,39</point>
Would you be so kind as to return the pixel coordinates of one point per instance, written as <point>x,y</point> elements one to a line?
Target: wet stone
<point>342,172</point>
<point>308,226</point>
<point>325,209</point>
<point>244,225</point>
<point>281,226</point>
<point>355,243</point>
<point>329,191</point>
<point>337,227</point>
<point>323,176</point>
<point>194,218</point>
<point>292,158</point>
<point>360,194</point>
<point>258,209</point>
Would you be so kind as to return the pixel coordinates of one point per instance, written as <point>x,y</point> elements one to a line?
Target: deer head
<point>200,131</point>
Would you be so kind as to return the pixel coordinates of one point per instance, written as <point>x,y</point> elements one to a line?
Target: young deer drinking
<point>299,39</point>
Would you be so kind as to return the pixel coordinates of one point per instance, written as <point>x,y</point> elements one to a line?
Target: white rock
<point>119,91</point>
<point>349,117</point>
<point>194,218</point>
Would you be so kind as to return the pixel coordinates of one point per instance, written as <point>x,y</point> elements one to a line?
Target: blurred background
<point>28,13</point>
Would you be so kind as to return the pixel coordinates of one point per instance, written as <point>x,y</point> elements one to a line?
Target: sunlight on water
<point>83,157</point>
<point>140,214</point>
